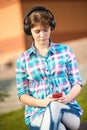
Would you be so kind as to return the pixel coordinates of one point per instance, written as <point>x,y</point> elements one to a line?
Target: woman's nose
<point>42,33</point>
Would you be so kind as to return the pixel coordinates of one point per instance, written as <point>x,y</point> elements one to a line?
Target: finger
<point>50,96</point>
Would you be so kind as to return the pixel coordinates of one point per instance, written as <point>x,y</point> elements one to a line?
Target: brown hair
<point>41,17</point>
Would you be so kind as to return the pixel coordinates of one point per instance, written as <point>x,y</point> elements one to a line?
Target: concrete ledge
<point>83,126</point>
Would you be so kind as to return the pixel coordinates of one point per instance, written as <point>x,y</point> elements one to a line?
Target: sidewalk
<point>79,47</point>
<point>12,102</point>
<point>83,126</point>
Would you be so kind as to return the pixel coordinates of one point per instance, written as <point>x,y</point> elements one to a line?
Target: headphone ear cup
<point>27,29</point>
<point>53,24</point>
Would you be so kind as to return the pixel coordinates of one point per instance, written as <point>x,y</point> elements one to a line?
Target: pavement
<point>79,47</point>
<point>12,102</point>
<point>83,126</point>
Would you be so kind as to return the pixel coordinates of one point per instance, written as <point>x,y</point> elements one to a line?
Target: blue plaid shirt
<point>41,76</point>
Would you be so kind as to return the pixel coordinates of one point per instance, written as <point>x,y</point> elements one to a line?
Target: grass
<point>15,120</point>
<point>82,99</point>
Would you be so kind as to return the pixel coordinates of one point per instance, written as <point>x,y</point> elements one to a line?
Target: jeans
<point>57,116</point>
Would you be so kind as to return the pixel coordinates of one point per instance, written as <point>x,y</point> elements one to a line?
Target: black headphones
<point>27,28</point>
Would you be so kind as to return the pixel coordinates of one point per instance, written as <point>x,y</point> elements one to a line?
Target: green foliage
<point>5,85</point>
<point>82,99</point>
<point>3,95</point>
<point>13,121</point>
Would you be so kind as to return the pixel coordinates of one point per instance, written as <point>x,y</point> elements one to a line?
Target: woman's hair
<point>41,17</point>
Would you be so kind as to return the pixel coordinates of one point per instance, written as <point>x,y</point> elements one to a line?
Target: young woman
<point>43,70</point>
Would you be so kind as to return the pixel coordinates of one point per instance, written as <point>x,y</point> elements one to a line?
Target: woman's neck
<point>42,49</point>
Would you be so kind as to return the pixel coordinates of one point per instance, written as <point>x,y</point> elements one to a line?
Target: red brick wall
<point>70,15</point>
<point>11,31</point>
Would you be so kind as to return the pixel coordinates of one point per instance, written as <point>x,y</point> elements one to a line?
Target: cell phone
<point>57,95</point>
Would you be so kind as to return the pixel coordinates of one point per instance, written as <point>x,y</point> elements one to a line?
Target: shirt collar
<point>33,50</point>
<point>52,49</point>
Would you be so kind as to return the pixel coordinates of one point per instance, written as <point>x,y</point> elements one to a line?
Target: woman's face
<point>41,34</point>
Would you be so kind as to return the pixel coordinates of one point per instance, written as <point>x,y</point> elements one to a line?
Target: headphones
<point>27,28</point>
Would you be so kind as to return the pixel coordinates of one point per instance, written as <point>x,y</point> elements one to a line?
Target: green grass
<point>15,120</point>
<point>82,100</point>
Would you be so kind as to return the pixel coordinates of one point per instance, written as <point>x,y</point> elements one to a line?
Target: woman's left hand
<point>64,99</point>
<point>71,95</point>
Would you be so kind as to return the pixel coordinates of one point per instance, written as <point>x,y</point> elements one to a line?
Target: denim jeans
<point>57,116</point>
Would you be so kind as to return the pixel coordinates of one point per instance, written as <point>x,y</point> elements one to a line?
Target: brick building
<point>71,23</point>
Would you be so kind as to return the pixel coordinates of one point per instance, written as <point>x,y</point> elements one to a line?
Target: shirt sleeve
<point>73,72</point>
<point>21,76</point>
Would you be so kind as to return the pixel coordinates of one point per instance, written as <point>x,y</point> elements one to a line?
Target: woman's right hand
<point>49,99</point>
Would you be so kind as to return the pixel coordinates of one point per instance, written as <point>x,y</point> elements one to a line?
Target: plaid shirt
<point>41,76</point>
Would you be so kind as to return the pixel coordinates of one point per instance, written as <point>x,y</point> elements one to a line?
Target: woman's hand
<point>49,99</point>
<point>64,99</point>
<point>71,95</point>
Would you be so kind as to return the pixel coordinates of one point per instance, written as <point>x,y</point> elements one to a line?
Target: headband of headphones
<point>27,28</point>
